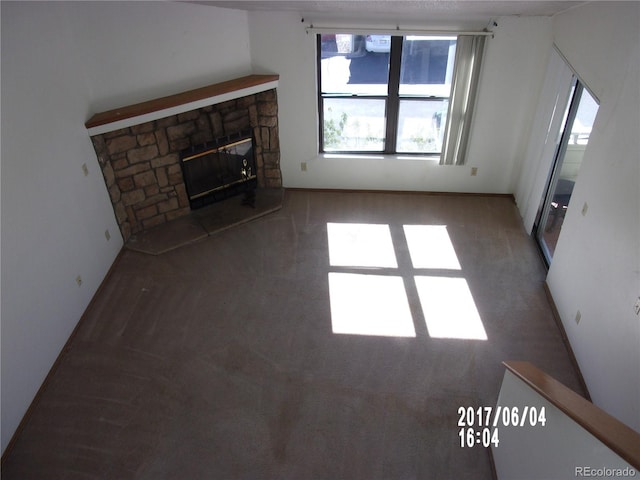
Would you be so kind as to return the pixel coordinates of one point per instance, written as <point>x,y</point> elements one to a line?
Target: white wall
<point>62,62</point>
<point>596,265</point>
<point>135,51</point>
<point>514,66</point>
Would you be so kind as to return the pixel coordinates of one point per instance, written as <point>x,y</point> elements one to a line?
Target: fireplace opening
<point>217,170</point>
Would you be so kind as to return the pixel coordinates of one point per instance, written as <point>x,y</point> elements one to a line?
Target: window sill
<point>435,159</point>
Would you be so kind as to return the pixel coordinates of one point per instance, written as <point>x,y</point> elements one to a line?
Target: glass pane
<point>567,168</point>
<point>421,125</point>
<point>347,66</point>
<point>582,125</point>
<point>354,124</point>
<point>427,66</point>
<point>333,45</point>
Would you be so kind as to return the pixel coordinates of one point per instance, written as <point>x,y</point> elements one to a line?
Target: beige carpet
<point>222,359</point>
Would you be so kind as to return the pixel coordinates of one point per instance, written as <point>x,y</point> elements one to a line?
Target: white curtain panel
<point>469,51</point>
<point>544,138</point>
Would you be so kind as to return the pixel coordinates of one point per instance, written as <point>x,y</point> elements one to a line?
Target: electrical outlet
<point>107,235</point>
<point>578,317</point>
<point>79,280</point>
<point>85,169</point>
<point>585,207</point>
<point>303,166</point>
<point>474,171</point>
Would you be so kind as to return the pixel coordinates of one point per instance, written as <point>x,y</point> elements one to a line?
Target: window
<point>395,94</point>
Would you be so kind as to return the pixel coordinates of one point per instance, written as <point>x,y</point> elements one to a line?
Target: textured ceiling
<point>459,11</point>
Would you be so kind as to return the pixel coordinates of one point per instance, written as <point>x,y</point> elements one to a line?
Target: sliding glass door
<point>575,131</point>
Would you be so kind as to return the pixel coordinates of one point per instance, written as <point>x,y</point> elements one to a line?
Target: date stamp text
<point>479,426</point>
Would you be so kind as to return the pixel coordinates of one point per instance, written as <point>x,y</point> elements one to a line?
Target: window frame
<point>392,103</point>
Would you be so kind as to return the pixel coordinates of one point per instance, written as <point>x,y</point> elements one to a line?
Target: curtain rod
<point>397,30</point>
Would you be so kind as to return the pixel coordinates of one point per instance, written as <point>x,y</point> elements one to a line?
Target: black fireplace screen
<point>220,169</point>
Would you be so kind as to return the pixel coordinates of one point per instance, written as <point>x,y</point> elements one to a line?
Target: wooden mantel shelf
<point>182,102</point>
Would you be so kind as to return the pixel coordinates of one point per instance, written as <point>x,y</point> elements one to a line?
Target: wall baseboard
<point>492,462</point>
<point>406,192</point>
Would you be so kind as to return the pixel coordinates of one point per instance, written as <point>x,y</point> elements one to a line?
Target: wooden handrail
<point>620,438</point>
<point>183,98</point>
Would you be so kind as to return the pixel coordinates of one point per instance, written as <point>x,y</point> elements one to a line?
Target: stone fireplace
<point>140,156</point>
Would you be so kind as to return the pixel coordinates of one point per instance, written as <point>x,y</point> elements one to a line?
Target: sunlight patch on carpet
<point>449,309</point>
<point>369,305</point>
<point>430,247</point>
<point>360,245</point>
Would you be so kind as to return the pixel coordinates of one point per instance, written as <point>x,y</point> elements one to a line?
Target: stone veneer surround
<point>141,163</point>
